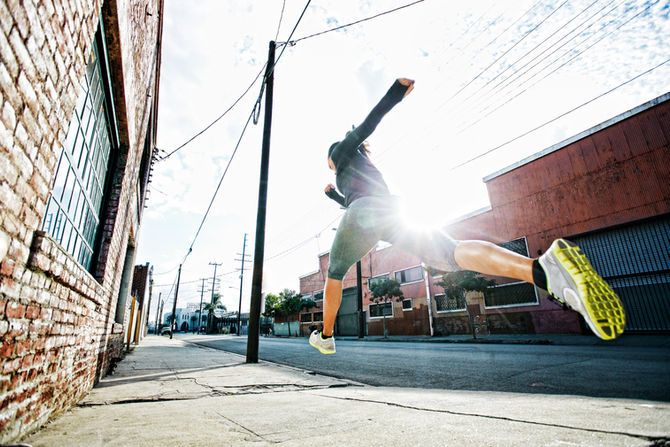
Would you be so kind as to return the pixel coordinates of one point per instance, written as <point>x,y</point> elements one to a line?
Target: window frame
<point>373,279</point>
<point>84,169</point>
<point>395,275</point>
<point>386,303</point>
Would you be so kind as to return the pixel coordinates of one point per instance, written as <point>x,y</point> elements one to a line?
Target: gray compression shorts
<point>369,220</point>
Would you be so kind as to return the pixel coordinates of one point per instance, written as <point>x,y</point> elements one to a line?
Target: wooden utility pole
<point>259,253</point>
<point>174,305</point>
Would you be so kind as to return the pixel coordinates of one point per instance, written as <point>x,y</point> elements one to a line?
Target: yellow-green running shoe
<point>574,282</point>
<point>326,346</point>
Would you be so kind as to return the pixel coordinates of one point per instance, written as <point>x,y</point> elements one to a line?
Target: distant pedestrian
<point>372,215</point>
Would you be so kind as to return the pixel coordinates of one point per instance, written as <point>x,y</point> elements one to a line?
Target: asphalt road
<point>596,371</point>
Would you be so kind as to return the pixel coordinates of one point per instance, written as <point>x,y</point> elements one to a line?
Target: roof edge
<point>610,122</point>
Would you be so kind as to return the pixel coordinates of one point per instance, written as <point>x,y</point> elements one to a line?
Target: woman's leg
<point>356,235</point>
<point>490,259</point>
<point>332,297</point>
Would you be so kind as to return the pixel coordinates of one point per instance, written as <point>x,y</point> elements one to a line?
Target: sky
<point>496,81</point>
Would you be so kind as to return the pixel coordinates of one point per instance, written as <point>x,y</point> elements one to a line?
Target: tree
<point>271,303</point>
<point>384,291</point>
<point>287,303</point>
<point>210,307</point>
<point>456,284</point>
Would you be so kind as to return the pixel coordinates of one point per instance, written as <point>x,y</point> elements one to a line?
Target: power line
<point>293,42</point>
<point>218,118</point>
<point>281,16</point>
<point>560,116</point>
<point>252,115</point>
<point>517,93</point>
<point>304,242</point>
<point>216,191</point>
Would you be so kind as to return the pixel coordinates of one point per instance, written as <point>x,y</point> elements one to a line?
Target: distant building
<point>606,188</point>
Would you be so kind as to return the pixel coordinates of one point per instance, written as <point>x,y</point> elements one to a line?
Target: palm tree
<point>210,307</point>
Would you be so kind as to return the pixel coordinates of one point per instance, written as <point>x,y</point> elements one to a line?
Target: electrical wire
<point>217,119</point>
<point>293,42</point>
<point>218,187</point>
<point>559,116</point>
<point>281,16</point>
<point>514,95</point>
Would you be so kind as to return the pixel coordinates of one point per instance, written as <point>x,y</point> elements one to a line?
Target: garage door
<point>635,261</point>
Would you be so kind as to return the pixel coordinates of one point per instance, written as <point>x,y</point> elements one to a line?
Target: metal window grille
<point>306,318</point>
<point>407,304</point>
<point>318,316</point>
<point>444,303</point>
<point>73,211</point>
<point>513,294</point>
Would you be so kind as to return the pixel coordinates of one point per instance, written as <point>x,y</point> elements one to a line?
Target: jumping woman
<point>372,215</point>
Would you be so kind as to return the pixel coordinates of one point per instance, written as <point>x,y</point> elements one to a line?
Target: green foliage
<point>386,290</point>
<point>215,304</point>
<point>456,283</point>
<point>271,305</point>
<point>287,303</point>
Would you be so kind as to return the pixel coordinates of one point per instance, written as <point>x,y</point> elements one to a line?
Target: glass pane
<point>49,223</point>
<point>71,135</point>
<point>61,176</point>
<point>76,194</point>
<point>67,191</point>
<point>81,99</point>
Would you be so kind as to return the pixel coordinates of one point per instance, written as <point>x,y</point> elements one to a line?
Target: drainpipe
<point>428,298</point>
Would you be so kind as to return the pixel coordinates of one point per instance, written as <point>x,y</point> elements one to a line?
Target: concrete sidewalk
<point>171,392</point>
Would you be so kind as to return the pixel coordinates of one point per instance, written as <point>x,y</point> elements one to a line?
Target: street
<point>597,371</point>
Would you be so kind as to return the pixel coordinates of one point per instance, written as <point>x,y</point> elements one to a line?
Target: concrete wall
<point>57,320</point>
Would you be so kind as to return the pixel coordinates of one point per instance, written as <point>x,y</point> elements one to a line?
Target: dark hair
<point>332,147</point>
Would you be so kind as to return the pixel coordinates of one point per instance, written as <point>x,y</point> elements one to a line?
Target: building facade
<point>79,98</point>
<point>606,188</point>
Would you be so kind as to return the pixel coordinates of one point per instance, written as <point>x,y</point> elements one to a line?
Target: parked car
<point>165,330</point>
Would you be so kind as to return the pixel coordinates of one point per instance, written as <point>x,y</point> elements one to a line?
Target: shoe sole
<point>605,313</point>
<point>321,350</point>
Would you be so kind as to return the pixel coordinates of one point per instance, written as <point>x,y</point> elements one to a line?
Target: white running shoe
<point>573,282</point>
<point>326,346</point>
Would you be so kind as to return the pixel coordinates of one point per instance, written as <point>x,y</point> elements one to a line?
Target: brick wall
<point>57,320</point>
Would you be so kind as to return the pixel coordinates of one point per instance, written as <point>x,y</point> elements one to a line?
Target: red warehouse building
<point>607,189</point>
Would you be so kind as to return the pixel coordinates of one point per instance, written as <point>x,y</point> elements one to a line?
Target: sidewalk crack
<point>246,429</point>
<point>657,440</point>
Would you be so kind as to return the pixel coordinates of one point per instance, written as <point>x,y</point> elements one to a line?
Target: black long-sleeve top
<point>356,176</point>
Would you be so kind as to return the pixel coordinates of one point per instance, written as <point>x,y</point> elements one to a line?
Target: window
<point>307,296</point>
<point>381,309</point>
<point>514,294</point>
<point>517,246</point>
<point>73,212</point>
<point>306,318</point>
<point>445,304</point>
<point>407,304</point>
<point>376,279</point>
<point>409,275</point>
<point>318,296</point>
<point>318,316</point>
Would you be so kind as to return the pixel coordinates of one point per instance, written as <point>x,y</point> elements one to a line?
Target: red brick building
<point>608,189</point>
<point>78,107</point>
